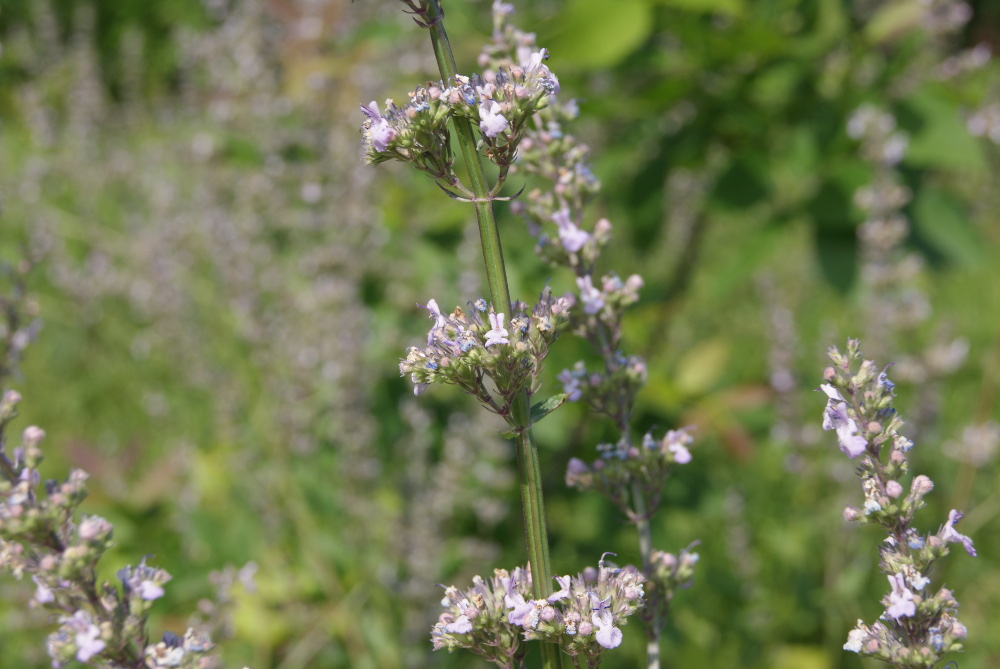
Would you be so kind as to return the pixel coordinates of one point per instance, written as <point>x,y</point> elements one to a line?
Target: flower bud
<point>921,485</point>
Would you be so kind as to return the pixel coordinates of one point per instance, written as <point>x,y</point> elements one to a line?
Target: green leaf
<point>942,222</point>
<point>595,35</point>
<point>545,407</point>
<point>702,367</point>
<point>540,411</point>
<point>942,140</point>
<point>728,7</point>
<point>893,20</point>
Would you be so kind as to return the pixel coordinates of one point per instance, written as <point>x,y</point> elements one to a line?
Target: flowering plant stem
<point>520,416</point>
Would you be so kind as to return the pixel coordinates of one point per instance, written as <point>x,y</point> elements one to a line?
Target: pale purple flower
<point>572,237</point>
<point>32,436</point>
<point>571,385</point>
<point>948,533</point>
<point>44,594</point>
<point>150,590</point>
<point>607,635</point>
<point>491,121</point>
<point>534,60</point>
<point>919,581</point>
<point>521,610</point>
<point>462,625</point>
<point>576,471</point>
<point>855,638</point>
<point>563,581</point>
<point>677,441</point>
<point>87,635</point>
<point>502,8</point>
<point>592,298</point>
<point>94,527</point>
<point>381,132</point>
<point>836,417</point>
<point>900,599</point>
<point>498,335</point>
<point>439,319</point>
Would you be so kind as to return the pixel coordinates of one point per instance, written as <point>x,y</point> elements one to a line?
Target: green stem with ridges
<point>496,276</point>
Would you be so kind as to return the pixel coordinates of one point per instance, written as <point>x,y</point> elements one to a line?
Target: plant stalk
<point>645,532</point>
<point>529,470</point>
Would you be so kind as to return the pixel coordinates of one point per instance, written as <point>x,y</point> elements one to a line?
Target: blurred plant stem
<point>645,533</point>
<point>529,470</point>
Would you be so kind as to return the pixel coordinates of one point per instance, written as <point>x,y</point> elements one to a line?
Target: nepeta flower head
<point>584,616</point>
<point>837,417</point>
<point>465,347</point>
<point>622,464</point>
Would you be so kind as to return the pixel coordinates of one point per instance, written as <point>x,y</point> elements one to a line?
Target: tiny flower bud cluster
<point>667,574</point>
<point>464,347</point>
<point>621,465</point>
<point>583,617</point>
<point>39,536</point>
<point>917,627</point>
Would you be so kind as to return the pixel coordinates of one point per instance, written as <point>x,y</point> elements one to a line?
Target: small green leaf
<point>545,407</point>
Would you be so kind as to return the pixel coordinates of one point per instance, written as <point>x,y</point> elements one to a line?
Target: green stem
<point>645,532</point>
<point>489,234</point>
<point>496,276</point>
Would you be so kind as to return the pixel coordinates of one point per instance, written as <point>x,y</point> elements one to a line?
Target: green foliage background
<point>220,342</point>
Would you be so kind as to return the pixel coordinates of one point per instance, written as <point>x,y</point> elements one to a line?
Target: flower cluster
<point>985,122</point>
<point>499,102</point>
<point>621,465</point>
<point>554,217</point>
<point>667,573</point>
<point>917,627</point>
<point>583,617</point>
<point>40,537</point>
<point>465,347</point>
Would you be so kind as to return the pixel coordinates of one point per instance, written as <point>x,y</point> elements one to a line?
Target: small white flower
<point>491,121</point>
<point>497,335</point>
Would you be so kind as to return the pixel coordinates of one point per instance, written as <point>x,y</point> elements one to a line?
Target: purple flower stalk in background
<point>918,627</point>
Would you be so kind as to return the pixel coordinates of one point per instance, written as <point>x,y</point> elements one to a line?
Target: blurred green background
<point>225,291</point>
